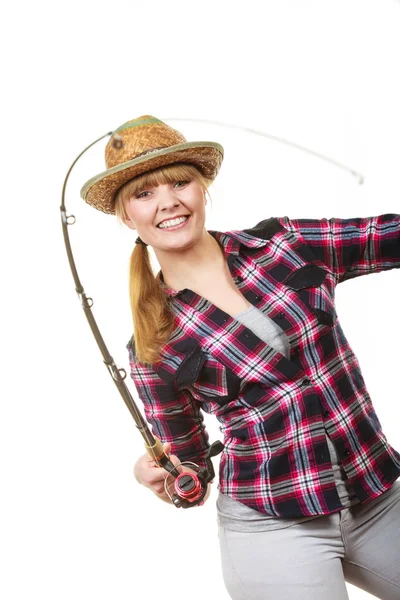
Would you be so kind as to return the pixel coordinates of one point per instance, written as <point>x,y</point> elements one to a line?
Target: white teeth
<point>172,222</point>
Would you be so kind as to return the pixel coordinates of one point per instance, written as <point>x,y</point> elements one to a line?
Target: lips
<point>174,226</point>
<point>178,226</point>
<point>170,218</point>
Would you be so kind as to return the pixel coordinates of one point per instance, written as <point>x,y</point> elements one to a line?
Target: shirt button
<point>239,278</point>
<point>280,315</point>
<point>346,452</point>
<point>296,349</point>
<point>306,381</point>
<point>326,413</point>
<point>258,297</point>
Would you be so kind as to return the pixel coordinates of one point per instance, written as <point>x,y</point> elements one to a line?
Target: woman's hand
<point>153,477</point>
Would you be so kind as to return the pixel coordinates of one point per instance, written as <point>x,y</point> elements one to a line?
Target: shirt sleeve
<point>174,415</point>
<point>352,247</point>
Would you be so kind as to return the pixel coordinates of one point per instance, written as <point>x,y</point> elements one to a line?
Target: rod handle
<point>156,450</point>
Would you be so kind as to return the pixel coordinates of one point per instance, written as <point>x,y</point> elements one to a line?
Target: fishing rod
<point>189,488</point>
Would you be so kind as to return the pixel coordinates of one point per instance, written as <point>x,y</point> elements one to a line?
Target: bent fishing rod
<point>189,488</point>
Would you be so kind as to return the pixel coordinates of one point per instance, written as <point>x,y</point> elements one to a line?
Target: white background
<point>320,74</point>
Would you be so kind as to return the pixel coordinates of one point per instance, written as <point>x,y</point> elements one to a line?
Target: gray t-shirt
<point>235,515</point>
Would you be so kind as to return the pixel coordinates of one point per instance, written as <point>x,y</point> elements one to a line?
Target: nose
<point>166,197</point>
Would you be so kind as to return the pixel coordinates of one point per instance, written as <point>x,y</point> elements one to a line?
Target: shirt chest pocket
<point>207,378</point>
<point>315,287</point>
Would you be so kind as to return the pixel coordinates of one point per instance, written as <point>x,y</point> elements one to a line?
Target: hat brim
<point>100,190</point>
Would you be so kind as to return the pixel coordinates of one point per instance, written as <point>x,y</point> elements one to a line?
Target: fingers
<point>150,474</point>
<point>154,476</point>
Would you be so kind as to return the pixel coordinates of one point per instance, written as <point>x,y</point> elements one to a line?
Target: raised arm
<point>354,246</point>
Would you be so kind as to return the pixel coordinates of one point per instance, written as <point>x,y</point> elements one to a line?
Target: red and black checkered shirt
<point>274,411</point>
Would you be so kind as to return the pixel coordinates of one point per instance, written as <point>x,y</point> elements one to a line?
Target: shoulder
<point>266,228</point>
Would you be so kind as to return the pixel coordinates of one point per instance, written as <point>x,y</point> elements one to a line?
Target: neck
<point>193,266</point>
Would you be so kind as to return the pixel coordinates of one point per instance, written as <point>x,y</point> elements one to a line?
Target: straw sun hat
<point>141,145</point>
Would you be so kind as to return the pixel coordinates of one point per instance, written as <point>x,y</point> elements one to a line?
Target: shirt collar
<point>230,241</point>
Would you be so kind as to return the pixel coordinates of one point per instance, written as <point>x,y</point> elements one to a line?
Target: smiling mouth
<point>178,226</point>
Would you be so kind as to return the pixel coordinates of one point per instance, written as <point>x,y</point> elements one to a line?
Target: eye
<point>140,194</point>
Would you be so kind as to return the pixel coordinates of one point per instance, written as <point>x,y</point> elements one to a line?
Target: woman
<point>243,325</point>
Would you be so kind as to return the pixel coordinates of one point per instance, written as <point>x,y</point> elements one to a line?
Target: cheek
<point>201,208</point>
<point>144,216</point>
<point>196,203</point>
<point>137,212</point>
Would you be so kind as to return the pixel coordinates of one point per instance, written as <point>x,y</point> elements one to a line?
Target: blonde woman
<point>242,325</point>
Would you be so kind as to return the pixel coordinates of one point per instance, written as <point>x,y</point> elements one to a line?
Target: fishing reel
<point>189,489</point>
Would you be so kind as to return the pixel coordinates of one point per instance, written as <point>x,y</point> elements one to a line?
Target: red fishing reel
<point>189,489</point>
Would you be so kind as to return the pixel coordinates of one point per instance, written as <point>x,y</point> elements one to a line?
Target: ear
<point>129,224</point>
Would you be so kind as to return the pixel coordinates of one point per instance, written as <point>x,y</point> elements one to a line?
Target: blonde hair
<point>153,320</point>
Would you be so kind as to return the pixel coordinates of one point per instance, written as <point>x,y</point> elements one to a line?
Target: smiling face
<point>150,205</point>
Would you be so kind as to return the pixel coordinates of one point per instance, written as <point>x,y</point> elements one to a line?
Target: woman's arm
<point>174,416</point>
<point>354,246</point>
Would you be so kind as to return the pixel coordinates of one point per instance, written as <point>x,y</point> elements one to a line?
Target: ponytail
<point>153,320</point>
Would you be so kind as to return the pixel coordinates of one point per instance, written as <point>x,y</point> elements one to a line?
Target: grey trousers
<point>313,560</point>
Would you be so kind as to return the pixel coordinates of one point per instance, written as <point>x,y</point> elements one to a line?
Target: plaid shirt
<point>275,412</point>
